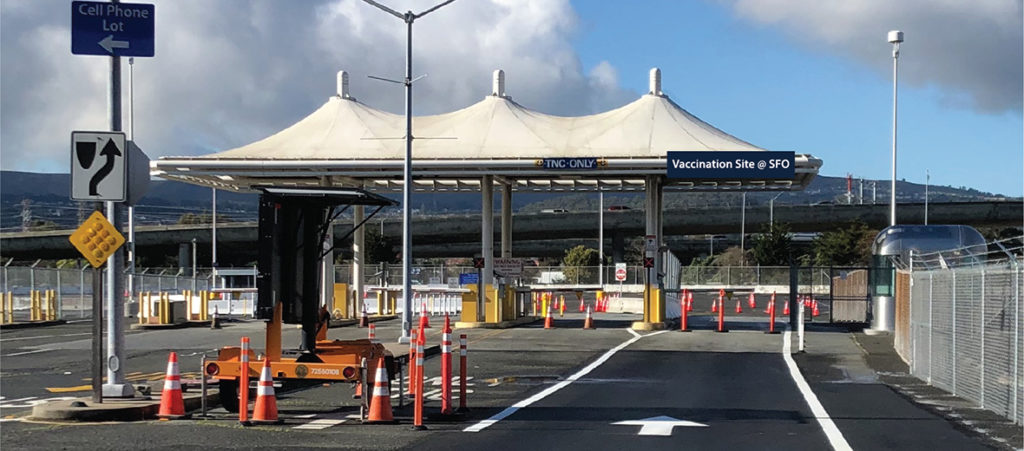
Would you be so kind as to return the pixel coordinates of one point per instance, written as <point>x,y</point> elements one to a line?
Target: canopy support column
<point>327,268</point>
<point>506,220</point>
<point>654,301</point>
<point>487,234</point>
<point>358,256</point>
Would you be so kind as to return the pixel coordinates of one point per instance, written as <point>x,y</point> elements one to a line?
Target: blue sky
<point>758,84</point>
<point>802,75</point>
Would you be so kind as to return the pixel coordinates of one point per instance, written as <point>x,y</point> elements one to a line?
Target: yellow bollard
<point>165,309</point>
<point>5,307</point>
<point>51,305</point>
<point>142,306</point>
<point>188,305</point>
<point>33,306</point>
<point>204,304</point>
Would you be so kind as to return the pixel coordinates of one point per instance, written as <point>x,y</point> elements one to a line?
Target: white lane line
<point>630,330</point>
<point>835,438</point>
<point>319,424</point>
<point>554,388</point>
<point>27,352</point>
<point>42,336</point>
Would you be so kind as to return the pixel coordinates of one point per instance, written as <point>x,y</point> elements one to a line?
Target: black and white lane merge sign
<point>98,162</point>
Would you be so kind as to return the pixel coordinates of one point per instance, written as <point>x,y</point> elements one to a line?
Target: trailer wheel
<point>229,394</point>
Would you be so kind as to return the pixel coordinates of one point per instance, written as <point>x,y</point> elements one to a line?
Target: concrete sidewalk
<point>834,355</point>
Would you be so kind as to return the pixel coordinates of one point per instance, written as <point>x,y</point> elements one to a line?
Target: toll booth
<point>294,224</point>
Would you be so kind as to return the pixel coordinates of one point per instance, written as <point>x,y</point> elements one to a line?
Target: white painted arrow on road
<point>661,425</point>
<point>109,44</point>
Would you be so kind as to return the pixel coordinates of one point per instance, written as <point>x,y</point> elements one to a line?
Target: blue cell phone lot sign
<point>112,29</point>
<point>757,165</point>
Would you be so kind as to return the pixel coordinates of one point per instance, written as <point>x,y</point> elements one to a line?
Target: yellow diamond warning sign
<point>96,239</point>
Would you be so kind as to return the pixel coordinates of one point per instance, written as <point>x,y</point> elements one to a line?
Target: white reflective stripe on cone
<point>172,368</point>
<point>172,384</point>
<point>446,348</point>
<point>265,390</point>
<point>381,391</point>
<point>419,360</point>
<point>382,375</point>
<point>265,375</point>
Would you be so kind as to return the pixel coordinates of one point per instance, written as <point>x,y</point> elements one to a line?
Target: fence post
<point>982,359</point>
<point>728,275</point>
<point>1016,343</point>
<point>81,291</point>
<point>60,297</point>
<point>954,331</point>
<point>931,328</point>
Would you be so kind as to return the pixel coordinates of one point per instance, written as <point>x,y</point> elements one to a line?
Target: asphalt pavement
<point>530,388</point>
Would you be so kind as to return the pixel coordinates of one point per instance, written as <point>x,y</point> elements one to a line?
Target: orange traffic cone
<point>581,304</point>
<point>547,319</point>
<point>424,322</point>
<point>265,411</point>
<point>380,402</point>
<point>814,308</point>
<point>172,405</point>
<point>785,307</point>
<point>751,301</point>
<point>739,306</point>
<point>689,301</point>
<point>588,323</point>
<point>714,306</point>
<point>412,363</point>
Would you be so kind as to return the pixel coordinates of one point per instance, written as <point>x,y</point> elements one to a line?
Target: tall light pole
<point>131,208</point>
<point>600,238</point>
<point>743,231</point>
<point>408,17</point>
<point>771,209</point>
<point>927,179</point>
<point>895,38</point>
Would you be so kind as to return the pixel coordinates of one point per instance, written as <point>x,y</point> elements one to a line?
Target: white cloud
<point>229,72</point>
<point>972,49</point>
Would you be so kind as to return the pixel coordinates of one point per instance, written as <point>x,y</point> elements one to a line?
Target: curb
<point>31,324</point>
<point>352,322</point>
<point>112,409</point>
<point>498,325</point>
<point>170,326</point>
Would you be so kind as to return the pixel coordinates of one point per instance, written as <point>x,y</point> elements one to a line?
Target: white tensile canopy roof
<point>347,143</point>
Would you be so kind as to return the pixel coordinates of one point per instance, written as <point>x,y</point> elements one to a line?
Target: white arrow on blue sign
<point>112,29</point>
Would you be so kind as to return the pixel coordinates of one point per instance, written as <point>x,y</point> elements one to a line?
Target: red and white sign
<point>620,272</point>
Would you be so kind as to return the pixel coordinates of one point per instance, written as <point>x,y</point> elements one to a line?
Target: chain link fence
<point>73,288</point>
<point>965,332</point>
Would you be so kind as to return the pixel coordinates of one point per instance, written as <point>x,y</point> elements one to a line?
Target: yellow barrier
<point>7,308</point>
<point>188,304</point>
<point>51,305</point>
<point>165,309</point>
<point>204,305</point>
<point>33,307</point>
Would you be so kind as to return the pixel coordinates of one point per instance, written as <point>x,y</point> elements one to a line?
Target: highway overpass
<point>541,234</point>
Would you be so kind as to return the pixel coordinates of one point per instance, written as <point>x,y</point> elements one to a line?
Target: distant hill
<point>48,199</point>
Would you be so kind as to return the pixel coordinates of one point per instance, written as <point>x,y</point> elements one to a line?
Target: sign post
<point>110,29</point>
<point>96,239</point>
<point>620,275</point>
